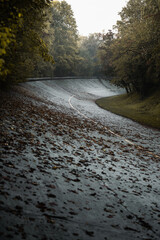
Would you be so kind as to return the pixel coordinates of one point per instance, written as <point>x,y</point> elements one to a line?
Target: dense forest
<point>40,38</point>
<point>132,54</point>
<point>21,44</point>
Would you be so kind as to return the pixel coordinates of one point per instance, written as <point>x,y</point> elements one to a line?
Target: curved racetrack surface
<point>73,171</point>
<point>77,96</point>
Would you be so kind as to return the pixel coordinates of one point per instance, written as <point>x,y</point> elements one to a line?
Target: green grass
<point>146,111</point>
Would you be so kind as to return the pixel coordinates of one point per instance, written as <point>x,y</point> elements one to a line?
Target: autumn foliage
<point>21,24</point>
<point>133,53</point>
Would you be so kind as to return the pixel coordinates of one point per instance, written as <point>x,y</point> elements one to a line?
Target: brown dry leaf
<point>50,195</point>
<point>91,234</point>
<point>51,186</point>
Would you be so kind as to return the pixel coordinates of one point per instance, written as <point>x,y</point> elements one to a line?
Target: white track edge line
<point>115,134</point>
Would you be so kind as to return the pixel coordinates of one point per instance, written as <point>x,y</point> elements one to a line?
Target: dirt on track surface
<point>65,177</point>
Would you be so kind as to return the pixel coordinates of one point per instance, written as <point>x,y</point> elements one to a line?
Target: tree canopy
<point>61,37</point>
<point>134,52</point>
<point>21,24</point>
<point>64,44</point>
<point>89,64</point>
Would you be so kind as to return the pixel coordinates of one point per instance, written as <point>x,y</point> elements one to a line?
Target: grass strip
<point>145,111</point>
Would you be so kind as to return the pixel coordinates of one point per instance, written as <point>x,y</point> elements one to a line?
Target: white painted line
<point>115,134</point>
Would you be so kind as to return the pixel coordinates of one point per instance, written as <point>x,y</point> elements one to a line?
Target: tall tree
<point>64,45</point>
<point>105,53</point>
<point>21,23</point>
<point>89,64</point>
<point>136,47</point>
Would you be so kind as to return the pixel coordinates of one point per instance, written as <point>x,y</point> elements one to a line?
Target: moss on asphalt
<point>146,111</point>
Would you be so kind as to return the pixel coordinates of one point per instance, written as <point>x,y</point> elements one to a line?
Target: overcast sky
<point>96,15</point>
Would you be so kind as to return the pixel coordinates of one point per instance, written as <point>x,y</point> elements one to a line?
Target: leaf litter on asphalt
<point>55,172</point>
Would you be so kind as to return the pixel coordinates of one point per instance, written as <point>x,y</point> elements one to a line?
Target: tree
<point>136,47</point>
<point>88,50</point>
<point>105,53</point>
<point>64,47</point>
<point>21,24</point>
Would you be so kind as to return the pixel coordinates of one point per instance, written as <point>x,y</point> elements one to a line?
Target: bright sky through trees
<point>96,15</point>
